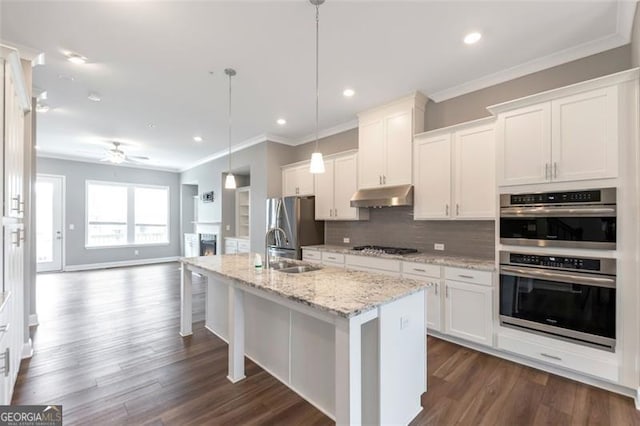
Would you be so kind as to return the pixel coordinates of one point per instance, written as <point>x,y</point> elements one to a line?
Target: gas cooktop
<point>384,250</point>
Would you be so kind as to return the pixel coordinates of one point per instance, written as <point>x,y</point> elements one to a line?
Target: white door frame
<point>63,178</point>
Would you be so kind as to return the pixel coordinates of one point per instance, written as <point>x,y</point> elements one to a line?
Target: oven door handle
<point>565,277</point>
<point>558,211</point>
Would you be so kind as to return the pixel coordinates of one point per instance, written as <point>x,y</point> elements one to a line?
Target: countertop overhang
<point>345,293</point>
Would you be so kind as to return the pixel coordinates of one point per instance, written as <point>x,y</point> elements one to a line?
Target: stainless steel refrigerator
<point>296,216</point>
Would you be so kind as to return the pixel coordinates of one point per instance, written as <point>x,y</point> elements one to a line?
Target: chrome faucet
<point>267,262</point>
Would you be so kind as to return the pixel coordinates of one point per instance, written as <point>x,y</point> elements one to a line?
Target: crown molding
<point>59,156</point>
<point>234,148</point>
<point>549,61</point>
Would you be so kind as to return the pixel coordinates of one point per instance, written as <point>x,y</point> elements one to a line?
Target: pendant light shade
<point>230,181</point>
<point>317,161</point>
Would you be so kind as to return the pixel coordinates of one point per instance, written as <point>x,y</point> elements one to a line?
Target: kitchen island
<point>351,343</point>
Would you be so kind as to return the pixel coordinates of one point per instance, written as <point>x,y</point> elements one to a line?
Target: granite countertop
<point>455,261</point>
<point>335,290</point>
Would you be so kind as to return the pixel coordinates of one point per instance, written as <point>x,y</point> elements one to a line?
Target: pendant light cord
<point>317,66</point>
<point>229,159</point>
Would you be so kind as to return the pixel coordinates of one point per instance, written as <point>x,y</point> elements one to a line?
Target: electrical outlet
<point>71,227</point>
<point>438,246</point>
<point>404,322</point>
<point>136,252</point>
<point>228,227</point>
<point>346,240</point>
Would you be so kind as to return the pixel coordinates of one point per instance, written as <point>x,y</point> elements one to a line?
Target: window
<point>151,211</point>
<point>125,214</point>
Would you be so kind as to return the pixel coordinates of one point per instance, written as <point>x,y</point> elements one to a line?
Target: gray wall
<point>77,173</point>
<point>330,145</point>
<point>635,39</point>
<point>394,226</point>
<point>473,105</point>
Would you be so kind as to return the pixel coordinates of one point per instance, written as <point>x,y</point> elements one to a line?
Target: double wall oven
<point>570,296</point>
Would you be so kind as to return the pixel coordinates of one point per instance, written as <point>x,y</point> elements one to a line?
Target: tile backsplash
<point>394,226</point>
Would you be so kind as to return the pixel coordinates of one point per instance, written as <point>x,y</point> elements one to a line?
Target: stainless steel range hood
<point>389,196</point>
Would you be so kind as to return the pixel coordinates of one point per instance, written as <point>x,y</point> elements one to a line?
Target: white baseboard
<point>27,350</point>
<point>119,264</point>
<point>637,399</point>
<point>33,320</point>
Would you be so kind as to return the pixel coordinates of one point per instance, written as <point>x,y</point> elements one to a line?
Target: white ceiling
<point>150,63</point>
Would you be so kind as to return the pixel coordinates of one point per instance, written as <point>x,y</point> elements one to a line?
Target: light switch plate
<point>71,227</point>
<point>346,240</point>
<point>228,227</point>
<point>404,322</point>
<point>438,246</point>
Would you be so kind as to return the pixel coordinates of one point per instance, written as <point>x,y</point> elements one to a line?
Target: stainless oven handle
<point>558,211</point>
<point>565,277</point>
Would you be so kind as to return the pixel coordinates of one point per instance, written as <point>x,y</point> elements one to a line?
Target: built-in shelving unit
<point>243,211</point>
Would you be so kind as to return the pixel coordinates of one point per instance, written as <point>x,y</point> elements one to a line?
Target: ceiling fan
<point>117,156</point>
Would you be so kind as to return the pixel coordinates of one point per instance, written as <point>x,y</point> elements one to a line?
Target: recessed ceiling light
<point>472,38</point>
<point>151,126</point>
<point>66,77</point>
<point>347,93</point>
<point>197,138</point>
<point>93,96</point>
<point>281,121</point>
<point>42,108</point>
<point>75,58</point>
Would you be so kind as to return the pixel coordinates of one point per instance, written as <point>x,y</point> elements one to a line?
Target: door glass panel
<point>44,222</point>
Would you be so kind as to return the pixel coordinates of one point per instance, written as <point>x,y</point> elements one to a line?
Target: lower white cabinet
<point>311,256</point>
<point>468,313</point>
<point>297,180</point>
<point>236,245</point>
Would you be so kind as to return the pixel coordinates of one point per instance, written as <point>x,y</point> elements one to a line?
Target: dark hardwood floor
<point>108,350</point>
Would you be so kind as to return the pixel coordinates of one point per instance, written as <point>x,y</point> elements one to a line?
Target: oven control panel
<point>557,198</point>
<point>560,262</point>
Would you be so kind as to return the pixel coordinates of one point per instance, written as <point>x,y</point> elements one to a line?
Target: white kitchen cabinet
<point>385,137</point>
<point>311,256</point>
<point>14,111</point>
<point>236,245</point>
<point>566,138</point>
<point>474,173</point>
<point>468,313</point>
<point>335,187</point>
<point>454,172</point>
<point>584,135</point>
<point>432,180</point>
<point>433,294</point>
<point>297,180</point>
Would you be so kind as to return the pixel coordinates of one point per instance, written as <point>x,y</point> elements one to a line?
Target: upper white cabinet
<point>297,180</point>
<point>566,134</point>
<point>335,187</point>
<point>454,172</point>
<point>385,139</point>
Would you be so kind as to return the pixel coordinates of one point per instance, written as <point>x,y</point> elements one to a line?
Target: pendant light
<point>317,162</point>
<point>230,181</point>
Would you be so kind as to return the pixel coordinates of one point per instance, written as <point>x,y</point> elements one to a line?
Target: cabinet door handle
<point>331,258</point>
<point>420,270</point>
<point>557,358</point>
<point>380,180</point>
<point>446,290</point>
<point>555,170</point>
<point>446,209</point>
<point>16,199</point>
<point>546,171</point>
<point>335,212</point>
<point>470,277</point>
<point>457,209</point>
<point>330,212</point>
<point>7,362</point>
<point>437,285</point>
<point>384,179</point>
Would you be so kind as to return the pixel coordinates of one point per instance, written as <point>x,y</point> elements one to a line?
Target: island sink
<point>299,269</point>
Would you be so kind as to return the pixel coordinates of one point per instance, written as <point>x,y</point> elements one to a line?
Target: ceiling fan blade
<point>130,161</point>
<point>105,159</point>
<point>138,157</point>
